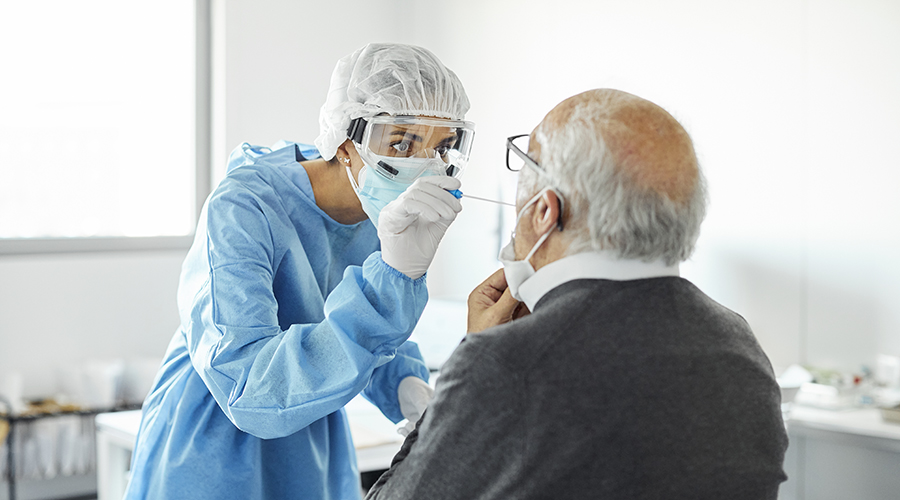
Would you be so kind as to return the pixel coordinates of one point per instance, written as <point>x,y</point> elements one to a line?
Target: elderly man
<point>625,381</point>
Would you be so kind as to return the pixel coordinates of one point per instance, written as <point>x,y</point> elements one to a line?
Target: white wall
<point>61,310</point>
<point>58,311</point>
<point>852,180</point>
<point>278,58</point>
<point>792,105</point>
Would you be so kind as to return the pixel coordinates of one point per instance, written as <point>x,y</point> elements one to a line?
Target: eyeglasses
<point>514,165</point>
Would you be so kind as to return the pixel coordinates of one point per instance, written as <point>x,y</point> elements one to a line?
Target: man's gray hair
<point>607,208</point>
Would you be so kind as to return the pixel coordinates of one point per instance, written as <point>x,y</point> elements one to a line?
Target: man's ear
<point>546,212</point>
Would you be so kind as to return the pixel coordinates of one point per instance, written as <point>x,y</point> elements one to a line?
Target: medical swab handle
<point>458,194</point>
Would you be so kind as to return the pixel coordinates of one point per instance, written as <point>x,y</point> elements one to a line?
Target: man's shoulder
<point>656,296</point>
<point>505,350</point>
<point>604,316</point>
<point>516,347</point>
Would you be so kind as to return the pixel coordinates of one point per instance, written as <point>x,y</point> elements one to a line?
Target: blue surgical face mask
<point>405,170</point>
<point>375,191</point>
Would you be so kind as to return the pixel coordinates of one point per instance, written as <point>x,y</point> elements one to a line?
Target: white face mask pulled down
<point>519,271</point>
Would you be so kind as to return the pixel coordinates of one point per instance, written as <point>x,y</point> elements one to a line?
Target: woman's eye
<point>401,147</point>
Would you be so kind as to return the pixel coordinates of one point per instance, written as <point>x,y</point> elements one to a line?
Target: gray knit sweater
<point>643,389</point>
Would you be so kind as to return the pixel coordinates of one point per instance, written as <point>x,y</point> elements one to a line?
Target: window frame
<point>202,166</point>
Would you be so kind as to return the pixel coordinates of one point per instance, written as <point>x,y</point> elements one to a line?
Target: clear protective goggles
<point>403,148</point>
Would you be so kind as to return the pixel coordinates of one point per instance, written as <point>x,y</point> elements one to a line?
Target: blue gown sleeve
<point>272,383</point>
<point>382,389</point>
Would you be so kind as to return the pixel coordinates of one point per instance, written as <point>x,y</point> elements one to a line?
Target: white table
<point>858,422</point>
<point>374,436</point>
<point>115,439</point>
<point>841,454</point>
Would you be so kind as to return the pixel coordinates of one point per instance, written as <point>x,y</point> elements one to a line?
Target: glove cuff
<point>414,395</point>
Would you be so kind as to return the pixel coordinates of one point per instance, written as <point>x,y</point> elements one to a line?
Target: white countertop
<point>860,422</point>
<point>377,441</point>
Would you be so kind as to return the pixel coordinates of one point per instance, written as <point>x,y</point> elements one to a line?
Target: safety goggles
<point>403,148</point>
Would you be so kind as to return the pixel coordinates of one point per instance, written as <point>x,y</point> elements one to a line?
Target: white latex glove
<point>411,227</point>
<point>414,395</point>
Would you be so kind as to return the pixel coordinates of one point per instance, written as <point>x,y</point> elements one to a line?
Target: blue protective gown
<point>286,315</point>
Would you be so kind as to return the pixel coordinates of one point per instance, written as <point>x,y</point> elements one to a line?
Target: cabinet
<point>840,455</point>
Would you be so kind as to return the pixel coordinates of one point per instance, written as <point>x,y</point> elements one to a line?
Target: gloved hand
<point>411,227</point>
<point>414,395</point>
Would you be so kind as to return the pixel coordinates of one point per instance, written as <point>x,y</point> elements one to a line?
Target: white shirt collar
<point>590,265</point>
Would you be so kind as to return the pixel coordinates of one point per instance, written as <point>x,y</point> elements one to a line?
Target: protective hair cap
<point>387,78</point>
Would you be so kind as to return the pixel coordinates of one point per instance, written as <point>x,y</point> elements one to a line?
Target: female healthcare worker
<point>288,309</point>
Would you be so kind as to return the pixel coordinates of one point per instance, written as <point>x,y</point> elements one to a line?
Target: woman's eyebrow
<point>412,137</point>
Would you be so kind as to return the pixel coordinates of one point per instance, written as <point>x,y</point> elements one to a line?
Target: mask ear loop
<point>537,245</point>
<point>546,235</point>
<point>352,180</point>
<point>560,201</point>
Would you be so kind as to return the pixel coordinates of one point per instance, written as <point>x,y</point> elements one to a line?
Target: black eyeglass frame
<point>537,168</point>
<point>510,146</point>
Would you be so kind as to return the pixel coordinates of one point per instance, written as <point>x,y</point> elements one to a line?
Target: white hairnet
<point>387,78</point>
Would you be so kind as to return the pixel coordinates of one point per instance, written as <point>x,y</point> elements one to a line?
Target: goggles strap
<point>356,129</point>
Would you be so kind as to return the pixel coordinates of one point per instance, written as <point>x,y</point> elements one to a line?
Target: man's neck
<point>590,265</point>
